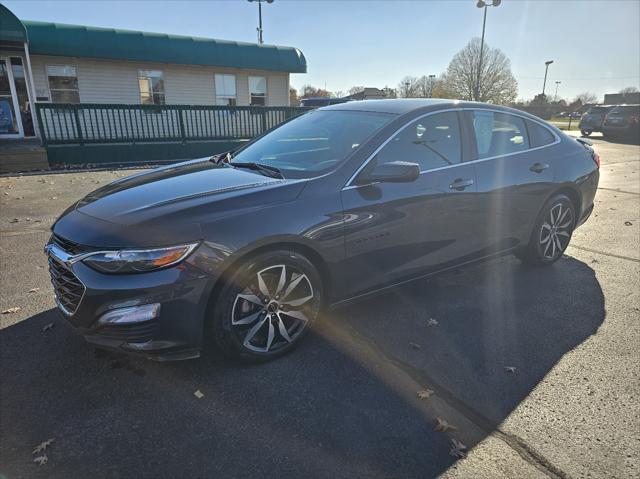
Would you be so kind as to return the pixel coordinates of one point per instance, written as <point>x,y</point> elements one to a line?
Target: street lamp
<point>431,77</point>
<point>483,4</point>
<point>406,85</point>
<point>557,83</point>
<point>260,18</point>
<point>546,69</point>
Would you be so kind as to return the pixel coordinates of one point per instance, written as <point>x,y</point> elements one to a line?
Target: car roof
<point>398,106</point>
<point>403,106</point>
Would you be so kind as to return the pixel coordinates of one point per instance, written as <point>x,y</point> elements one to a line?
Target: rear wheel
<point>551,233</point>
<point>586,132</point>
<point>267,306</point>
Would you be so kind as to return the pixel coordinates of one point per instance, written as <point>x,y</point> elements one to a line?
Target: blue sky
<point>595,43</point>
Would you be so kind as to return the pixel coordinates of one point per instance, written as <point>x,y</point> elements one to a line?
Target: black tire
<point>551,233</point>
<point>586,132</point>
<point>249,327</point>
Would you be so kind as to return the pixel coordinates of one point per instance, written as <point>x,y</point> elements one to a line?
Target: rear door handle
<point>460,184</point>
<point>539,167</point>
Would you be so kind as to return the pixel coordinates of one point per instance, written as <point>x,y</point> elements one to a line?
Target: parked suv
<point>623,122</point>
<point>593,119</point>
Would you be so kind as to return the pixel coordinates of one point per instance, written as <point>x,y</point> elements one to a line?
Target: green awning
<point>93,42</point>
<point>11,28</point>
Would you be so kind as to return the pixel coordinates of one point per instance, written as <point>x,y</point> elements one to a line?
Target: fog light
<point>134,314</point>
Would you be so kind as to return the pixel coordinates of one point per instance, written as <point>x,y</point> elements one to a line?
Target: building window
<point>225,89</point>
<point>151,87</point>
<point>258,91</point>
<point>63,84</point>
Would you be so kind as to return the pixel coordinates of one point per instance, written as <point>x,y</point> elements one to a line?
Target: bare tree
<point>355,90</point>
<point>628,90</point>
<point>293,97</point>
<point>496,85</point>
<point>586,98</point>
<point>408,87</point>
<point>309,91</point>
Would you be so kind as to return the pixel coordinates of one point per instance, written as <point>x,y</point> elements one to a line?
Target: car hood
<point>170,204</point>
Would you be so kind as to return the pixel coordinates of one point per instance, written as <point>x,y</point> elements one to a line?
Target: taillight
<point>596,159</point>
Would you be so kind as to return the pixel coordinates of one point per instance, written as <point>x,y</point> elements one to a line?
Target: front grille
<point>69,246</point>
<point>67,287</point>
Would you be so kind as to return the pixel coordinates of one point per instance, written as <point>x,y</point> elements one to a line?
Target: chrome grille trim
<point>67,287</point>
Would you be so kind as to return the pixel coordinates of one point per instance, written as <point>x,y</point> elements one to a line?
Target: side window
<point>431,142</point>
<point>539,135</point>
<point>498,133</point>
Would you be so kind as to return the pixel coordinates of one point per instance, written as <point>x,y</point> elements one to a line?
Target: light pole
<point>483,4</point>
<point>260,18</point>
<point>406,92</point>
<point>546,69</point>
<point>557,83</point>
<point>431,77</point>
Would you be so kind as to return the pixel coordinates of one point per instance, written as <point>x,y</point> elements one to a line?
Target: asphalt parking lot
<point>537,370</point>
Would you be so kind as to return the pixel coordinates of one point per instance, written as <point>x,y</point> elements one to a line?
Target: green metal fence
<point>80,124</point>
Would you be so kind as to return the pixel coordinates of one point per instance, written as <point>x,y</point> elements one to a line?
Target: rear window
<point>498,133</point>
<point>598,110</point>
<point>539,135</point>
<point>626,110</point>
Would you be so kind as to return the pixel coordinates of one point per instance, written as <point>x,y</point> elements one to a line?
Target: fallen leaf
<point>628,223</point>
<point>198,394</point>
<point>510,369</point>
<point>432,322</point>
<point>415,346</point>
<point>458,449</point>
<point>444,426</point>
<point>34,290</point>
<point>41,460</point>
<point>53,198</point>
<point>47,327</point>
<point>11,310</point>
<point>14,220</point>
<point>42,446</point>
<point>425,393</point>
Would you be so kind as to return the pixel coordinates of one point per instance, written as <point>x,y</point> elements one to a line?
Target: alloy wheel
<point>555,232</point>
<point>273,309</point>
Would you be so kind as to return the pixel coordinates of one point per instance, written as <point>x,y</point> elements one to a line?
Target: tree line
<point>471,75</point>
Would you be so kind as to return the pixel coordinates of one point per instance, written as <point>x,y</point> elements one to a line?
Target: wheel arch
<point>574,196</point>
<point>305,250</point>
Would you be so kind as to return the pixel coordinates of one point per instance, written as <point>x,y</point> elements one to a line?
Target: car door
<point>514,173</point>
<point>394,231</point>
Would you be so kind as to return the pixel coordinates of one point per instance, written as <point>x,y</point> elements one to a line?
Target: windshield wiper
<point>266,170</point>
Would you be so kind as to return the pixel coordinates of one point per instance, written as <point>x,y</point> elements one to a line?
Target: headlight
<point>137,260</point>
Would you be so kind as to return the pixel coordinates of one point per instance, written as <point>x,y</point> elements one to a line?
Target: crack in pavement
<point>582,248</point>
<point>372,352</point>
<point>618,191</point>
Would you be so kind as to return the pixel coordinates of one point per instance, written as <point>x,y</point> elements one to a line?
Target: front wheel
<point>586,132</point>
<point>267,305</point>
<point>551,233</point>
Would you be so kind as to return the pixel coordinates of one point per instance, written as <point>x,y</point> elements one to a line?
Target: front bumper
<point>176,332</point>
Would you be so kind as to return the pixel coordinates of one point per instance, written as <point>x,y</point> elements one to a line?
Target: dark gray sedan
<point>246,248</point>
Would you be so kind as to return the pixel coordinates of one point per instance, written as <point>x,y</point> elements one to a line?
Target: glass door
<point>10,120</point>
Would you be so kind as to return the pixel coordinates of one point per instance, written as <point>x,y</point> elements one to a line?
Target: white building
<point>71,64</point>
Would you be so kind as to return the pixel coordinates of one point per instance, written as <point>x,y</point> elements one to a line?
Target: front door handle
<point>539,167</point>
<point>460,184</point>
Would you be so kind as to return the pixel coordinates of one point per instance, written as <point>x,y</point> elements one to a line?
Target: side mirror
<point>392,172</point>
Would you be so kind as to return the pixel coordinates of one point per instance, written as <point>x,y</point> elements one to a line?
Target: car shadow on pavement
<point>344,404</point>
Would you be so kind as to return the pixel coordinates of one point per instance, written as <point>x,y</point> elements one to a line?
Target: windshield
<point>313,143</point>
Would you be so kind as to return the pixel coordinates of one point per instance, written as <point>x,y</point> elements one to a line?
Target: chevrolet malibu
<point>247,248</point>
